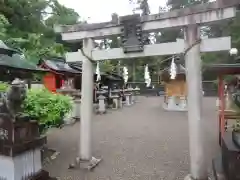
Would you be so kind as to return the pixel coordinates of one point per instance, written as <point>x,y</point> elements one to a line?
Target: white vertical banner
<point>125,74</point>
<point>147,76</point>
<point>98,72</point>
<point>173,69</point>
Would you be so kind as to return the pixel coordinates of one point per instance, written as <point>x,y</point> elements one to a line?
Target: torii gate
<point>189,18</point>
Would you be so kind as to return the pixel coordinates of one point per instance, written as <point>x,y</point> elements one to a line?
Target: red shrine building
<point>60,73</point>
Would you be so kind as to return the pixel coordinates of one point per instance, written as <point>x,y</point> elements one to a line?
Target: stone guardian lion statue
<point>14,98</point>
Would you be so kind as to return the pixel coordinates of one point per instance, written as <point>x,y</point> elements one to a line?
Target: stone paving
<point>142,142</point>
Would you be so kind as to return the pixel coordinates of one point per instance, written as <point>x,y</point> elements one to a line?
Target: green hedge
<point>3,87</point>
<point>46,107</point>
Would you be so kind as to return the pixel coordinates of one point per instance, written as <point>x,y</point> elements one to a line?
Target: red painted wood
<point>222,106</point>
<point>50,82</point>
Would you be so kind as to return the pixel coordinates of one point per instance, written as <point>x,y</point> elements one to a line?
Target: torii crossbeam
<point>171,48</point>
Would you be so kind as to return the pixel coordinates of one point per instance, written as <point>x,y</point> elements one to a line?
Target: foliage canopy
<point>28,26</point>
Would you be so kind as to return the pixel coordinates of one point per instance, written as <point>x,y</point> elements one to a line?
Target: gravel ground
<point>142,142</point>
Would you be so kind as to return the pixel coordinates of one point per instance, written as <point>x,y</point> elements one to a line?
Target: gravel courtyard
<point>142,142</point>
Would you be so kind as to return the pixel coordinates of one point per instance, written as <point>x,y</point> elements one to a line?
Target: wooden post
<point>222,108</point>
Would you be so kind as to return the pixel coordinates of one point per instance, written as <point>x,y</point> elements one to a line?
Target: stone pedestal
<point>69,117</point>
<point>77,109</point>
<point>115,99</point>
<point>128,101</point>
<point>101,104</point>
<point>133,97</point>
<point>20,154</point>
<point>173,103</point>
<point>131,93</point>
<point>120,102</point>
<point>183,103</point>
<point>137,92</point>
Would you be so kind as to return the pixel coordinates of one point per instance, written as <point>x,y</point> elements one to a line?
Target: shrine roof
<point>18,62</point>
<point>76,65</point>
<point>224,69</point>
<point>113,76</point>
<point>58,64</point>
<point>4,49</point>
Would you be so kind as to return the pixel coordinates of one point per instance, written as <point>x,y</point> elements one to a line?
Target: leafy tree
<point>177,4</point>
<point>3,26</point>
<point>24,15</point>
<point>61,15</point>
<point>27,25</point>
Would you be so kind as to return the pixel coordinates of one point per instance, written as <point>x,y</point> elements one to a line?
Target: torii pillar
<point>87,106</point>
<point>194,88</point>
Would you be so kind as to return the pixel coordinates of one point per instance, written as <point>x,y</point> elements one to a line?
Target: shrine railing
<point>154,90</point>
<point>209,88</point>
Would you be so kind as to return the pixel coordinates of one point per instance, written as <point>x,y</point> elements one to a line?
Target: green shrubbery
<point>3,87</point>
<point>47,108</point>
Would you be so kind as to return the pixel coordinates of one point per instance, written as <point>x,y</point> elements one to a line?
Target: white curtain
<point>125,74</point>
<point>98,72</point>
<point>147,76</point>
<point>173,69</point>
